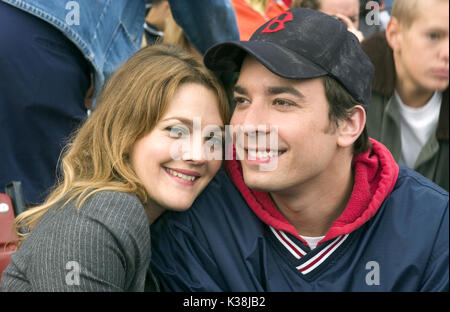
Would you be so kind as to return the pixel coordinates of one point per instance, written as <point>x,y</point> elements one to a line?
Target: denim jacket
<point>205,23</point>
<point>107,32</point>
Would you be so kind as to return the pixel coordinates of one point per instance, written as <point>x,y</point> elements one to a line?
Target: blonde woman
<point>123,168</point>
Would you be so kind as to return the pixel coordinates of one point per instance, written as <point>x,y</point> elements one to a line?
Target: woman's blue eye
<point>178,131</point>
<point>215,140</point>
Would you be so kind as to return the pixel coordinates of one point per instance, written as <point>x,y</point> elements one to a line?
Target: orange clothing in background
<point>249,20</point>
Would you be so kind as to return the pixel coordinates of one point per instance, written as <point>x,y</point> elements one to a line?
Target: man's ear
<point>393,34</point>
<point>351,128</point>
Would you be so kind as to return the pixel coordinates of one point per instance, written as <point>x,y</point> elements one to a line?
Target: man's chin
<point>259,183</point>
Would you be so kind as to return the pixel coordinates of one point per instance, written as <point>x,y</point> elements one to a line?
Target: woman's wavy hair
<point>131,104</point>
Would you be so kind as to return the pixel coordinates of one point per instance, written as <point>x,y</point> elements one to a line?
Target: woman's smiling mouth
<point>187,177</point>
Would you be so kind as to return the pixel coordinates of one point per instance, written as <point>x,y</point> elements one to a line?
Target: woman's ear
<point>393,34</point>
<point>351,128</point>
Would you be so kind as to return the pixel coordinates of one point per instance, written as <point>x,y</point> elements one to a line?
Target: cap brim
<point>228,56</point>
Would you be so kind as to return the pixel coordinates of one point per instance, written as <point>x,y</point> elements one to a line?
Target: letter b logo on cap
<point>279,20</point>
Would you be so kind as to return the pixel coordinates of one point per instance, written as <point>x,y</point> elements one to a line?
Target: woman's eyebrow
<point>188,122</point>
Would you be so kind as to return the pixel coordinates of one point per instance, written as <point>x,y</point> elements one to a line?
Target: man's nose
<point>252,125</point>
<point>253,117</point>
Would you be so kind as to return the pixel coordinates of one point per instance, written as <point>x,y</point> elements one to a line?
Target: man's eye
<point>240,100</point>
<point>283,103</point>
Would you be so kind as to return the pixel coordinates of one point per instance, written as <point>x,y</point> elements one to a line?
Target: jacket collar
<point>381,55</point>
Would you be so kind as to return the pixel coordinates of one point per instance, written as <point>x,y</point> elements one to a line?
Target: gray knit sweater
<point>103,247</point>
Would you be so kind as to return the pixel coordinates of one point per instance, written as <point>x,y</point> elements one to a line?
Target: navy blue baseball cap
<point>302,44</point>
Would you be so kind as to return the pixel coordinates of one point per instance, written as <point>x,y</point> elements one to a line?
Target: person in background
<point>205,23</point>
<point>345,10</point>
<point>54,61</point>
<point>409,110</point>
<point>175,35</point>
<point>385,13</point>
<point>184,22</point>
<point>120,173</point>
<point>371,21</point>
<point>250,14</point>
<point>308,202</point>
<point>157,12</point>
<point>388,4</point>
<point>187,28</point>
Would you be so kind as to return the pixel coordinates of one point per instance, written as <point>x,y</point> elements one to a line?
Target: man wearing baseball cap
<point>324,208</point>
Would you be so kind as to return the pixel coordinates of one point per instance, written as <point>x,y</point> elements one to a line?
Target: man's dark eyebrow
<point>285,89</point>
<point>273,91</point>
<point>240,90</point>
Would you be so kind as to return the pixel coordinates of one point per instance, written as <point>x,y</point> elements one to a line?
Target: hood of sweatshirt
<point>375,173</point>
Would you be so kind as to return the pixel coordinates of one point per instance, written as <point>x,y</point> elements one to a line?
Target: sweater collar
<point>375,175</point>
